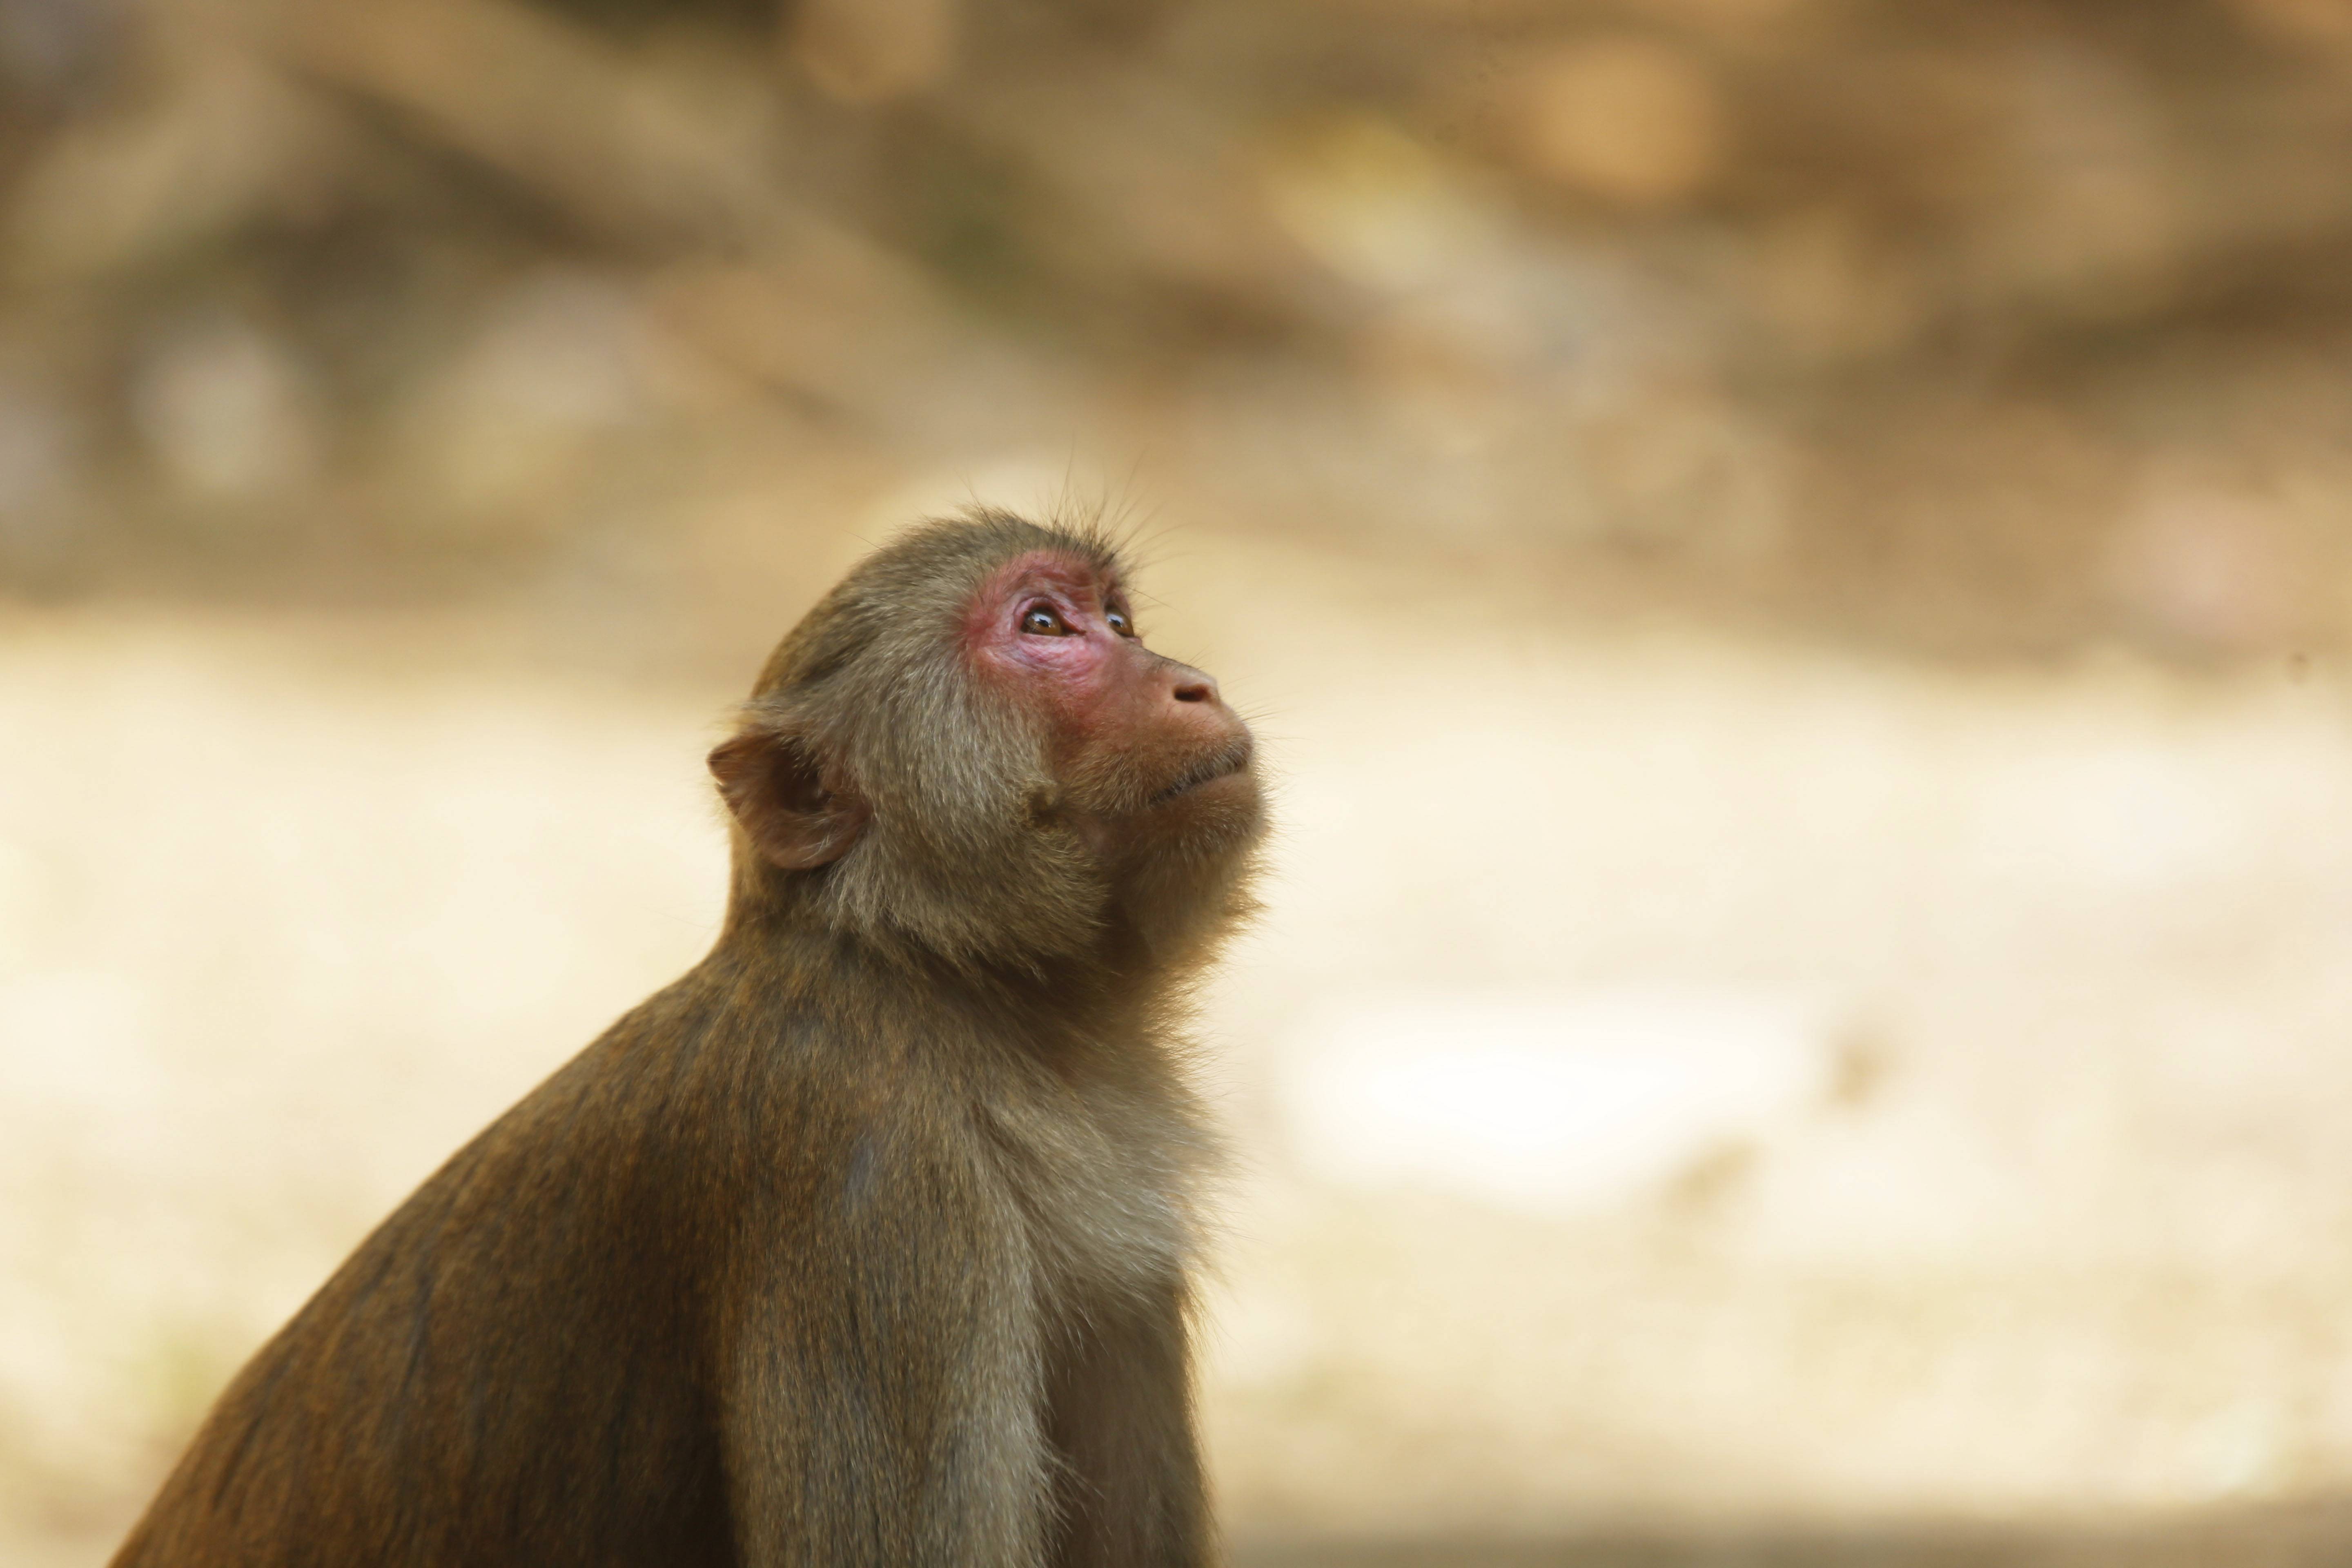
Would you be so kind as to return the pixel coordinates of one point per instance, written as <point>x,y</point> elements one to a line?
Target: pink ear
<point>795,814</point>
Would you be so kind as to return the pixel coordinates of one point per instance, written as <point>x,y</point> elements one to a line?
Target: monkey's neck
<point>1115,988</point>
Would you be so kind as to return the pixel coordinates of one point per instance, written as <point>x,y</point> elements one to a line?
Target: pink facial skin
<point>1058,638</point>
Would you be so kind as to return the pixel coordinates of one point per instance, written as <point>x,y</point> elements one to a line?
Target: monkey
<point>871,1242</point>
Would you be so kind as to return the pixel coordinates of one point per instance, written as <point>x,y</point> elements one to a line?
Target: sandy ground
<point>2056,1234</point>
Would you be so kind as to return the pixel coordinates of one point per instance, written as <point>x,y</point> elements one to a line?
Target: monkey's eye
<point>1120,623</point>
<point>1043,621</point>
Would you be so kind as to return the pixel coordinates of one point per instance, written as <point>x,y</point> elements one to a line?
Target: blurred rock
<point>227,411</point>
<point>38,447</point>
<point>57,49</point>
<point>1735,17</point>
<point>1149,189</point>
<point>2323,22</point>
<point>2091,208</point>
<point>1444,376</point>
<point>561,364</point>
<point>2207,562</point>
<point>1372,202</point>
<point>865,51</point>
<point>1676,464</point>
<point>216,141</point>
<point>1633,120</point>
<point>1826,287</point>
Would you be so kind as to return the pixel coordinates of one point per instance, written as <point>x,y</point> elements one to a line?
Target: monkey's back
<point>517,1365</point>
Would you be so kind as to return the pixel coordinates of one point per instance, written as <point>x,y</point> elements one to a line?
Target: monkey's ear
<point>797,812</point>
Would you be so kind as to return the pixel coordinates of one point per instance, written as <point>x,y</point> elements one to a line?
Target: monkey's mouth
<point>1223,763</point>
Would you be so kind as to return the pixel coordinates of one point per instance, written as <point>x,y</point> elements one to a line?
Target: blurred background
<point>1792,558</point>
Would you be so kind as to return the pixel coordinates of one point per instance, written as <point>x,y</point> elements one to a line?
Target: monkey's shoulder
<point>753,1087</point>
<point>829,1124</point>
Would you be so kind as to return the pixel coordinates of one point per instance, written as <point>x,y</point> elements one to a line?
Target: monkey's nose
<point>1191,686</point>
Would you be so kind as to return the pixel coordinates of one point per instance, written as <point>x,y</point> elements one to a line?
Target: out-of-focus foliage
<point>1978,328</point>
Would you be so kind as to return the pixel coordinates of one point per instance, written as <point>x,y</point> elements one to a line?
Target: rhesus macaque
<point>868,1241</point>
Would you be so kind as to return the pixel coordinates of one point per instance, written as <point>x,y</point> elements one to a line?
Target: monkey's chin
<point>1221,812</point>
<point>1234,787</point>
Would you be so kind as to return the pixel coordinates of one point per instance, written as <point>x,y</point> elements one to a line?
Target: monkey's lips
<point>1226,762</point>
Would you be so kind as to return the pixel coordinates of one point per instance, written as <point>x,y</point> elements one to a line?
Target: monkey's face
<point>1145,751</point>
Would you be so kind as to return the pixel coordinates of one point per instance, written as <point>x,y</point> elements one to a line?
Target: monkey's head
<point>967,749</point>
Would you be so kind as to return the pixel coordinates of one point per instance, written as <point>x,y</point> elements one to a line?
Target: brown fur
<point>866,1241</point>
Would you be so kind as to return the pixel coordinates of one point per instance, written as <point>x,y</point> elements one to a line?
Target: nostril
<point>1196,691</point>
